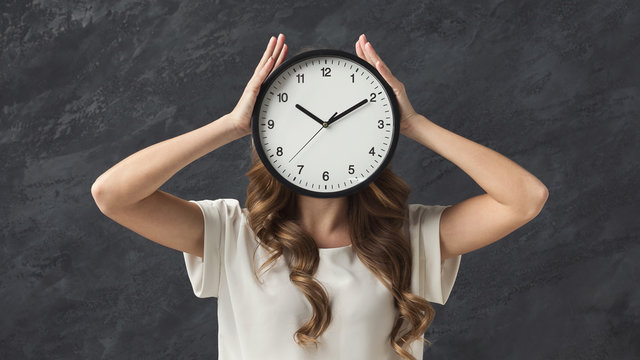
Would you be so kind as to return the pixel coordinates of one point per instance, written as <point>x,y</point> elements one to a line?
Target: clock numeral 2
<point>279,151</point>
<point>326,71</point>
<point>283,97</point>
<point>373,97</point>
<point>325,176</point>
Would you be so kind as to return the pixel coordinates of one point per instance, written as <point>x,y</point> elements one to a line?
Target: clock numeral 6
<point>373,97</point>
<point>372,152</point>
<point>270,124</point>
<point>301,166</point>
<point>325,176</point>
<point>326,71</point>
<point>380,124</point>
<point>283,97</point>
<point>279,151</point>
<point>351,170</point>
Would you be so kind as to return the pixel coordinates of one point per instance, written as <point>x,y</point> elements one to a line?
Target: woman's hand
<point>408,115</point>
<point>274,54</point>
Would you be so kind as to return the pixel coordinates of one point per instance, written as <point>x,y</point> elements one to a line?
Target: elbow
<point>537,200</point>
<point>98,193</point>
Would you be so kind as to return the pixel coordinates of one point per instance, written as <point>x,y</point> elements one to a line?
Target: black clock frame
<point>256,131</point>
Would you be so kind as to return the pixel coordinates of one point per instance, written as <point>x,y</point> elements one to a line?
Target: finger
<point>266,69</point>
<point>283,54</point>
<point>279,46</point>
<point>360,52</point>
<point>363,43</point>
<point>387,75</point>
<point>267,52</point>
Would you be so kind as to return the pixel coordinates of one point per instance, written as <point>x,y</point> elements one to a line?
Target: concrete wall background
<point>553,85</point>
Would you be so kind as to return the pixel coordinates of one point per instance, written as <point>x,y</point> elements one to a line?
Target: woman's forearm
<point>504,180</point>
<point>142,173</point>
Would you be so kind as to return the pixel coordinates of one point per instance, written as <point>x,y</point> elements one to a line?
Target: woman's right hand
<point>273,56</point>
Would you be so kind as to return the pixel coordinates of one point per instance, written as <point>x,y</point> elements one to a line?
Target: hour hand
<point>310,114</point>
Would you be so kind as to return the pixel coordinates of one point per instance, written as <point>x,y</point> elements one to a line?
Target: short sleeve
<point>430,278</point>
<point>220,226</point>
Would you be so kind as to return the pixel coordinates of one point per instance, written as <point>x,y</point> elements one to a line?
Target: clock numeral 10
<point>326,71</point>
<point>283,97</point>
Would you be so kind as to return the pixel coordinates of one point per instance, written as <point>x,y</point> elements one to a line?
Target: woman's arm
<point>514,196</point>
<point>128,192</point>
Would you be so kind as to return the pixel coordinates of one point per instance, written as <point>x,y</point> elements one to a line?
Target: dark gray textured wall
<point>553,85</point>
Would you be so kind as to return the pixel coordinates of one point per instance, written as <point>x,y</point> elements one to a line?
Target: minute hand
<point>346,111</point>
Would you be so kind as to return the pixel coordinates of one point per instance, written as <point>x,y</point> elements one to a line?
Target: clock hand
<point>314,135</point>
<point>334,118</point>
<point>309,113</point>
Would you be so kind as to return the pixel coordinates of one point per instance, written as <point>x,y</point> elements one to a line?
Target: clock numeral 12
<point>326,71</point>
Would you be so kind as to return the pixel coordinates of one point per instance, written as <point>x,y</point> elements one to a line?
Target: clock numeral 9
<point>300,78</point>
<point>372,152</point>
<point>380,124</point>
<point>351,170</point>
<point>283,97</point>
<point>373,97</point>
<point>300,166</point>
<point>325,176</point>
<point>326,71</point>
<point>270,124</point>
<point>279,151</point>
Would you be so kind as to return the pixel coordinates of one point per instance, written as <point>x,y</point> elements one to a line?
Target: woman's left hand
<point>408,115</point>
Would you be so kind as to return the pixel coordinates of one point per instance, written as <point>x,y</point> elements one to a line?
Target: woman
<point>351,275</point>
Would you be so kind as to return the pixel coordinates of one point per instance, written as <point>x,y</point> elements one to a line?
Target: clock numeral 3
<point>326,71</point>
<point>325,176</point>
<point>279,151</point>
<point>301,166</point>
<point>380,124</point>
<point>283,97</point>
<point>351,170</point>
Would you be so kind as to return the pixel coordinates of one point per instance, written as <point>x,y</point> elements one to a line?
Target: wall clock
<point>325,123</point>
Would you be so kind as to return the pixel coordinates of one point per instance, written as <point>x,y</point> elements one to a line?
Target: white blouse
<point>258,321</point>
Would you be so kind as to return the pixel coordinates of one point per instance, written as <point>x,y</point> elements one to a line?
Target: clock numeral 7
<point>301,166</point>
<point>283,97</point>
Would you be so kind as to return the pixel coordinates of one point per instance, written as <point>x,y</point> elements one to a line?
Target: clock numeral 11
<point>300,78</point>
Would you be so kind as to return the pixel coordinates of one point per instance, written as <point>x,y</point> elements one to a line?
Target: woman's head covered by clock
<point>376,216</point>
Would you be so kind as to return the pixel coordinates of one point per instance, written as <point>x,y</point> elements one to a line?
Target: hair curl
<point>376,216</point>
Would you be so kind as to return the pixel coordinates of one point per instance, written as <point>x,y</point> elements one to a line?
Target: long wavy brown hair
<point>376,216</point>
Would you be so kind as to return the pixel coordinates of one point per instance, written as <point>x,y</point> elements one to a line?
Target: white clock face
<point>325,125</point>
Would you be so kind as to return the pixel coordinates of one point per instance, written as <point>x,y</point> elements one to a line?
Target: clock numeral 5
<point>301,166</point>
<point>279,151</point>
<point>325,176</point>
<point>283,97</point>
<point>326,71</point>
<point>351,170</point>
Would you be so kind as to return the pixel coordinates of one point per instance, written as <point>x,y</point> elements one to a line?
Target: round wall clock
<point>325,123</point>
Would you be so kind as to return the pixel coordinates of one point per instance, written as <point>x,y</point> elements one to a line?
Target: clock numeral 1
<point>301,166</point>
<point>279,151</point>
<point>380,124</point>
<point>325,176</point>
<point>373,97</point>
<point>351,170</point>
<point>300,78</point>
<point>283,97</point>
<point>353,78</point>
<point>326,71</point>
<point>372,152</point>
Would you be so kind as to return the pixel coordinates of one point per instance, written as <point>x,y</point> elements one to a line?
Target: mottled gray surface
<point>552,85</point>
